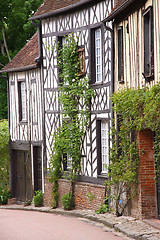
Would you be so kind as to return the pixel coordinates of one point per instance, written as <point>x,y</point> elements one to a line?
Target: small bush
<point>4,154</point>
<point>103,208</point>
<point>4,196</point>
<point>68,201</point>
<point>38,199</point>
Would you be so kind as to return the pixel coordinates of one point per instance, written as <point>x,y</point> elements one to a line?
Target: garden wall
<point>87,195</point>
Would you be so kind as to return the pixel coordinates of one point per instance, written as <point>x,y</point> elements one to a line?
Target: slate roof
<point>25,58</point>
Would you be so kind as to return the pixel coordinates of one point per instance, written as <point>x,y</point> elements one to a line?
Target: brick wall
<point>147,204</point>
<point>87,195</point>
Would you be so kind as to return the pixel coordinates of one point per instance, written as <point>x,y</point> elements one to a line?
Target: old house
<point>136,26</point>
<point>33,99</point>
<point>25,121</point>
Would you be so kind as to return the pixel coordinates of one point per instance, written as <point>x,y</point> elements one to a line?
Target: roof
<point>122,7</point>
<point>25,58</point>
<point>51,5</point>
<point>54,7</point>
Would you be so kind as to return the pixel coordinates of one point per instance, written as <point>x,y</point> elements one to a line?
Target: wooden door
<point>23,189</point>
<point>20,176</point>
<point>37,153</point>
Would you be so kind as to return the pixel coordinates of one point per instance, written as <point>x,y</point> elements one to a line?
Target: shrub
<point>68,201</point>
<point>103,208</point>
<point>38,199</point>
<point>4,154</point>
<point>4,196</point>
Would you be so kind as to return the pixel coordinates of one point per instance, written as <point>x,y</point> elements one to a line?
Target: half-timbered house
<point>136,26</point>
<point>25,121</point>
<point>33,96</point>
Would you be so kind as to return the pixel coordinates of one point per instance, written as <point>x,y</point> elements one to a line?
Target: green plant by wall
<point>135,110</point>
<point>74,97</point>
<point>103,208</point>
<point>4,195</point>
<point>90,196</point>
<point>38,199</point>
<point>4,154</point>
<point>68,201</point>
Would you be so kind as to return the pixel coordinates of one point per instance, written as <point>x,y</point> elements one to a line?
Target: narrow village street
<point>23,225</point>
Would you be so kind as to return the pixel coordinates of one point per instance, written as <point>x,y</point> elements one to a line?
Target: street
<point>24,225</point>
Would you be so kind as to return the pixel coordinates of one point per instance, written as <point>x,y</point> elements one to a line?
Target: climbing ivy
<point>74,98</point>
<point>135,110</point>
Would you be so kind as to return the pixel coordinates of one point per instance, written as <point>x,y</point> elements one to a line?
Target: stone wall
<point>87,195</point>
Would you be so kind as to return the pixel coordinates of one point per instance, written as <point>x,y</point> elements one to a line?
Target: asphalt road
<point>24,225</point>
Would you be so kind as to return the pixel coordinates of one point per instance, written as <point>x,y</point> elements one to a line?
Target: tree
<point>15,30</point>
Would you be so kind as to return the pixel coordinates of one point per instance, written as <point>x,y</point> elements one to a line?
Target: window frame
<point>22,104</point>
<point>148,46</point>
<point>100,162</point>
<point>94,62</point>
<point>81,57</point>
<point>120,59</point>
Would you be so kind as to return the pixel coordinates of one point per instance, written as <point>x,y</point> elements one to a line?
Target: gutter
<point>39,58</point>
<point>63,10</point>
<point>20,69</point>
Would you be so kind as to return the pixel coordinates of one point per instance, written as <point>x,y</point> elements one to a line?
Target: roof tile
<point>51,5</point>
<point>26,56</point>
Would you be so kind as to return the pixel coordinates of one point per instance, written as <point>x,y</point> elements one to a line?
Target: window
<point>148,44</point>
<point>96,56</point>
<point>22,101</point>
<point>81,57</point>
<point>102,146</point>
<point>69,162</point>
<point>120,54</point>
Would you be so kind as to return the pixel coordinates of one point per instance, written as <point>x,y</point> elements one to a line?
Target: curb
<point>129,226</point>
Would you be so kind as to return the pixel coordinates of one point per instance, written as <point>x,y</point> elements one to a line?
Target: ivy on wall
<point>135,110</point>
<point>74,98</point>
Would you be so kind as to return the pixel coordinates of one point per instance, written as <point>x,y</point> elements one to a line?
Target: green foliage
<point>4,154</point>
<point>90,196</point>
<point>17,24</point>
<point>4,196</point>
<point>18,29</point>
<point>38,199</point>
<point>103,208</point>
<point>68,201</point>
<point>73,90</point>
<point>3,99</point>
<point>136,110</point>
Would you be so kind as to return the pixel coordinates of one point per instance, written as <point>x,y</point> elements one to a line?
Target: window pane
<point>23,100</point>
<point>98,55</point>
<point>104,146</point>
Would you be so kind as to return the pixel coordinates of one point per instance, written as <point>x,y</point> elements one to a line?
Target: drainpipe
<point>38,25</point>
<point>112,86</point>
